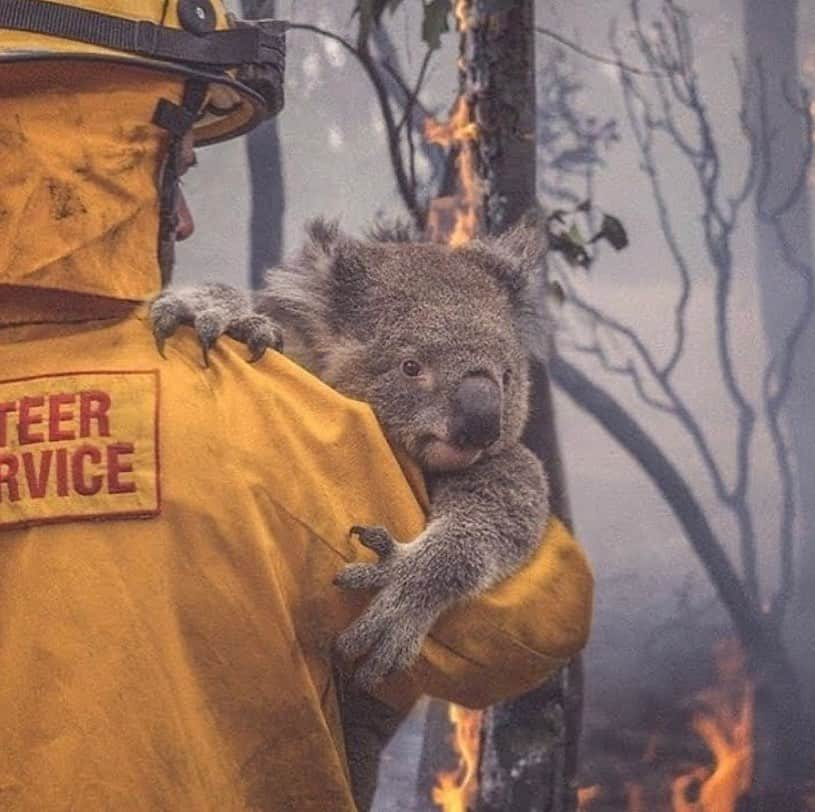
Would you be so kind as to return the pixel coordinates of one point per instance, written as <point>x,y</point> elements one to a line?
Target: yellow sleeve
<point>326,466</point>
<point>511,638</point>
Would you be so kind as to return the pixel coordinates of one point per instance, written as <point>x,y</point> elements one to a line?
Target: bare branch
<point>413,95</point>
<point>674,489</point>
<point>644,140</point>
<point>361,52</point>
<point>677,405</point>
<point>673,55</point>
<point>617,63</point>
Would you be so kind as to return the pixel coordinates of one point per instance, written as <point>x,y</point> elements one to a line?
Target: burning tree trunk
<point>528,746</point>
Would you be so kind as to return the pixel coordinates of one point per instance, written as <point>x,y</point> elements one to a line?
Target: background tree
<point>265,178</point>
<point>774,65</point>
<point>672,111</point>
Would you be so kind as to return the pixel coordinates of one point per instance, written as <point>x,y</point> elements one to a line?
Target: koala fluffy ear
<point>329,266</point>
<point>392,230</point>
<point>519,263</point>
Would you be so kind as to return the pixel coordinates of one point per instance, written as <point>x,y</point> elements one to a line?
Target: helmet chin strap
<point>178,120</point>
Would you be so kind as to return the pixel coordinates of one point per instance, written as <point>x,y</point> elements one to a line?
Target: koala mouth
<point>440,455</point>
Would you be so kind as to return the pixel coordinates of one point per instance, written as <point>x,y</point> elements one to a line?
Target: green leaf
<point>435,22</point>
<point>574,253</point>
<point>612,229</point>
<point>575,236</point>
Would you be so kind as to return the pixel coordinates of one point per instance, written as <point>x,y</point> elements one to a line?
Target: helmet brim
<point>214,126</point>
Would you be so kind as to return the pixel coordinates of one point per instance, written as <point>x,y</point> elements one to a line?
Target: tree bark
<point>529,744</point>
<point>266,180</point>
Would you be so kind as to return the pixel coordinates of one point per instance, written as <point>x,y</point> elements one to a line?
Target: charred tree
<point>265,178</point>
<point>528,745</point>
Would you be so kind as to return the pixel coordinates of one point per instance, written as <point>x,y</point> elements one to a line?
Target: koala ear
<point>392,230</point>
<point>523,250</point>
<point>329,267</point>
<point>519,263</point>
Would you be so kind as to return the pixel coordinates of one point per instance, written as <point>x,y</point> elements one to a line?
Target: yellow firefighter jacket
<point>169,534</point>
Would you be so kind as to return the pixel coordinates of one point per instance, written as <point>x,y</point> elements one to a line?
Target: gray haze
<point>335,163</point>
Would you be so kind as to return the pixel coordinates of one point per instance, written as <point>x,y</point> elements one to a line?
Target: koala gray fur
<point>364,316</point>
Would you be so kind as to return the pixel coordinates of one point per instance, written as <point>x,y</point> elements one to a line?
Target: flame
<point>725,724</point>
<point>585,796</point>
<point>455,219</point>
<point>456,790</point>
<point>462,12</point>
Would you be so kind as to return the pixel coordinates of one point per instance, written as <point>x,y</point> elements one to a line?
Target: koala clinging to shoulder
<point>438,340</point>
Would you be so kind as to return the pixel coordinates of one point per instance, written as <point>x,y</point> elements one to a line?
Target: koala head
<point>436,339</point>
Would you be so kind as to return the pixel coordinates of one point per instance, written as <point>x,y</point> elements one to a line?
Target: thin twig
<point>579,49</point>
<point>362,54</point>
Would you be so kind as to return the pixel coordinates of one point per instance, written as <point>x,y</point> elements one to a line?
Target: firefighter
<point>169,533</point>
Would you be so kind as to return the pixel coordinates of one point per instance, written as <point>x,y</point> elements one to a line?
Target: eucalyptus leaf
<point>613,230</point>
<point>575,236</point>
<point>435,22</point>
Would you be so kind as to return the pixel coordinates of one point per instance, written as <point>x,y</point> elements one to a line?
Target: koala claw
<point>259,333</point>
<point>377,539</point>
<point>212,311</point>
<point>160,342</point>
<point>370,576</point>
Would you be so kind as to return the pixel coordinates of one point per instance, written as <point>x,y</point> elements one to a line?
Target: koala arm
<point>485,522</point>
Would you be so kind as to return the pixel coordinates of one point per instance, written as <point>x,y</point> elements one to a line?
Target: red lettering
<point>62,472</point>
<point>5,409</point>
<point>29,418</point>
<point>81,485</point>
<point>8,477</point>
<point>37,480</point>
<point>56,415</point>
<point>94,405</point>
<point>117,467</point>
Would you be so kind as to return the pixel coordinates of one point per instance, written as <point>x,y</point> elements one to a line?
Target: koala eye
<point>507,377</point>
<point>411,368</point>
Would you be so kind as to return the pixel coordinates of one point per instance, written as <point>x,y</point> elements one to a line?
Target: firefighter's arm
<point>511,638</point>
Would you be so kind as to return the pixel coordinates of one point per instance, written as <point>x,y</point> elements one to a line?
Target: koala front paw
<point>370,576</point>
<point>385,639</point>
<point>214,310</point>
<point>389,634</point>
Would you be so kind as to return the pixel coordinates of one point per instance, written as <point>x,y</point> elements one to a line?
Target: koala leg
<point>214,310</point>
<point>485,522</point>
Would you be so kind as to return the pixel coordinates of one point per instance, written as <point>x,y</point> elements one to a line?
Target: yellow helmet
<point>237,66</point>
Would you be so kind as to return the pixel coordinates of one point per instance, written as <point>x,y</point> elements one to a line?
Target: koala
<point>438,340</point>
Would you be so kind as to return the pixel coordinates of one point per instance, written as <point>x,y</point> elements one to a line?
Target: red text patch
<point>79,446</point>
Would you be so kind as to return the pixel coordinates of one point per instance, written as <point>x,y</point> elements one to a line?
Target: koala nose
<point>476,412</point>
